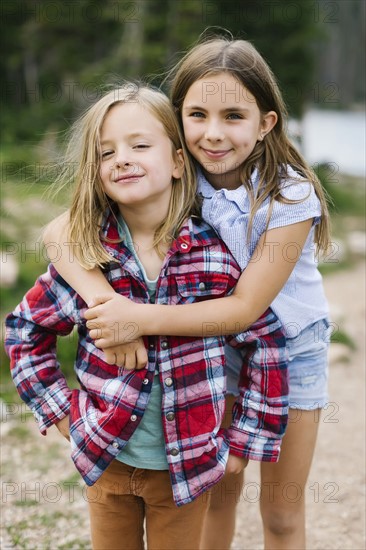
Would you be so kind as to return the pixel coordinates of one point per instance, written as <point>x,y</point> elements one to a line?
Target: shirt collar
<point>239,196</point>
<point>192,234</point>
<point>204,187</point>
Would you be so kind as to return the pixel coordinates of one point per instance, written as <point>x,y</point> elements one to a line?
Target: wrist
<point>146,320</point>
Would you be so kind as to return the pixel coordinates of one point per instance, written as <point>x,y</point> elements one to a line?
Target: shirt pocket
<point>196,287</point>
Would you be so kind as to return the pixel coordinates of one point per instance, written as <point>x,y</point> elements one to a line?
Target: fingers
<point>130,361</point>
<point>109,357</point>
<point>100,299</point>
<point>91,313</point>
<point>141,358</point>
<point>95,333</point>
<point>129,356</point>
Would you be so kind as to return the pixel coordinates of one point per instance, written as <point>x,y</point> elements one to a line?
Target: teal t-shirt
<point>146,447</point>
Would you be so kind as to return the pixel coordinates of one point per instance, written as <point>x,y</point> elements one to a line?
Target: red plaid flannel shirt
<point>107,408</point>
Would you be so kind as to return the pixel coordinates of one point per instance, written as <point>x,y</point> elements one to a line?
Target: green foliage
<point>24,209</point>
<point>346,194</point>
<point>61,54</point>
<point>341,337</point>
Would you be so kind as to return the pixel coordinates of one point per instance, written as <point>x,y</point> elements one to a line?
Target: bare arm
<point>268,270</point>
<point>87,283</point>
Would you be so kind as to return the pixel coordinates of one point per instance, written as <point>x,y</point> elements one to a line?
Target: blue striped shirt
<point>301,301</point>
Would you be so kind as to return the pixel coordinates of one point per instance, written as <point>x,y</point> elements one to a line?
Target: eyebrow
<point>226,110</point>
<point>133,135</point>
<point>140,134</point>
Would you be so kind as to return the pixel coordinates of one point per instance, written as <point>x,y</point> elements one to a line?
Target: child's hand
<point>235,464</point>
<point>130,356</point>
<point>63,427</point>
<point>111,321</point>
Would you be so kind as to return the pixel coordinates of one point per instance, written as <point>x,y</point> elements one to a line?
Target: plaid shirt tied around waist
<point>108,407</point>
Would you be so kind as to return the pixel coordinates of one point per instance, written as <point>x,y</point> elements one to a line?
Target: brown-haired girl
<point>270,209</point>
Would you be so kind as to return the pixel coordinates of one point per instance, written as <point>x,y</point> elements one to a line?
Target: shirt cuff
<point>52,407</point>
<point>253,447</point>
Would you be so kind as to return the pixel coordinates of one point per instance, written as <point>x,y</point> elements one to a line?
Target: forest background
<point>58,57</point>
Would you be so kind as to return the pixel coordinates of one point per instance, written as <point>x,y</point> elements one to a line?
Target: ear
<point>268,122</point>
<point>178,164</point>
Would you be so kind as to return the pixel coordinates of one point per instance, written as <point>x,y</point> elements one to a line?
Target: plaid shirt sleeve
<point>46,311</point>
<point>260,413</point>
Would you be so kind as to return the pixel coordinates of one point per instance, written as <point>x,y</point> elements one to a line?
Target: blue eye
<point>197,114</point>
<point>234,116</point>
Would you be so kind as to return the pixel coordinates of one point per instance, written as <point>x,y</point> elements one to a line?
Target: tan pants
<point>124,497</point>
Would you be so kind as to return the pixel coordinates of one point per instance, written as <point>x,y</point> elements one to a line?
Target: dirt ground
<point>43,504</point>
<point>336,485</point>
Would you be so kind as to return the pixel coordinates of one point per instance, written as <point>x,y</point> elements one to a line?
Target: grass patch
<point>26,503</point>
<point>20,433</point>
<point>16,534</point>
<point>346,193</point>
<point>73,480</point>
<point>341,337</point>
<point>46,523</point>
<point>50,520</point>
<point>75,544</point>
<point>25,209</point>
<point>327,268</point>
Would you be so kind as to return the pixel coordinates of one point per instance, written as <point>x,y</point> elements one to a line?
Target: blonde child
<point>148,442</point>
<point>268,206</point>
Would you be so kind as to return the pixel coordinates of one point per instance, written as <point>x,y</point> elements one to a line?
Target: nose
<point>214,131</point>
<point>121,160</point>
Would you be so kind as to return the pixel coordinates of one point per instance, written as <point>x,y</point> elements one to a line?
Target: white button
<point>133,418</point>
<point>145,381</point>
<point>202,286</point>
<point>174,451</point>
<point>184,246</point>
<point>115,445</point>
<point>168,382</point>
<point>164,345</point>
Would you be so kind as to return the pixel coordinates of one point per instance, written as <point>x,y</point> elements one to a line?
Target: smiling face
<point>222,124</point>
<point>137,164</point>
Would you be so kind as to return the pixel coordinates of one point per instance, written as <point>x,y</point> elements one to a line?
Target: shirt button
<point>145,381</point>
<point>174,452</point>
<point>168,382</point>
<point>164,345</point>
<point>115,445</point>
<point>133,418</point>
<point>151,346</point>
<point>202,286</point>
<point>170,416</point>
<point>184,246</point>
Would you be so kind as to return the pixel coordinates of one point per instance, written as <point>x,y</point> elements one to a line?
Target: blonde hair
<point>240,59</point>
<point>90,203</point>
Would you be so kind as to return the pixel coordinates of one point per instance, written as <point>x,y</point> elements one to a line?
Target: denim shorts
<point>307,367</point>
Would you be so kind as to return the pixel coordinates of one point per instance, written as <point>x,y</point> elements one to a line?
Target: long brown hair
<point>82,165</point>
<point>275,153</point>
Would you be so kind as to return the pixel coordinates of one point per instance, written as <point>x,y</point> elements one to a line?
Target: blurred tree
<point>283,32</point>
<point>340,70</point>
<point>61,52</point>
